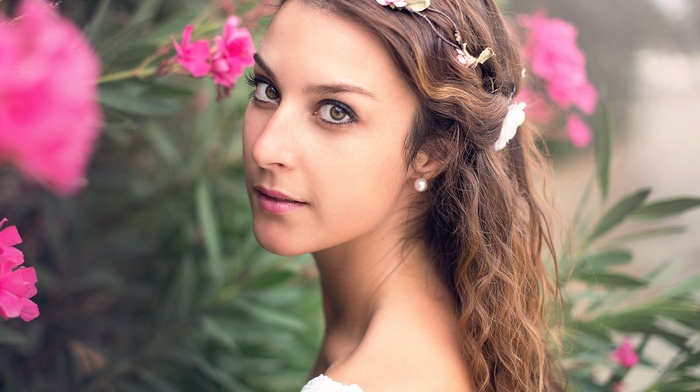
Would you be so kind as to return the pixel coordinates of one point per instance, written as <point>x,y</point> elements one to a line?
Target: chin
<point>279,244</point>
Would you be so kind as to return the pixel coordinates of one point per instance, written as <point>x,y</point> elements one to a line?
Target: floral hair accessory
<point>470,61</point>
<point>412,5</point>
<point>463,55</point>
<point>514,119</point>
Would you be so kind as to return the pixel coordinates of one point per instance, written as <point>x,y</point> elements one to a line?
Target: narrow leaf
<point>140,105</point>
<point>640,235</point>
<point>210,229</point>
<point>618,213</point>
<point>610,279</point>
<point>603,260</point>
<point>666,208</point>
<point>162,143</point>
<point>603,143</point>
<point>689,286</point>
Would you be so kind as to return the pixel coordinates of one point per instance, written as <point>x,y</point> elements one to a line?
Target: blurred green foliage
<point>151,279</point>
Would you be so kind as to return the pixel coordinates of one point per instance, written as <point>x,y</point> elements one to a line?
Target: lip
<point>276,202</point>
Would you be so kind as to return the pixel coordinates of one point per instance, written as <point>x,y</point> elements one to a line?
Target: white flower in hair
<point>514,119</point>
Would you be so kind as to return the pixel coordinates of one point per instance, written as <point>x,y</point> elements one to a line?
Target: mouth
<point>276,202</point>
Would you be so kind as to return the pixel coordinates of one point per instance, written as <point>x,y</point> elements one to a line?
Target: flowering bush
<point>151,279</point>
<point>17,284</point>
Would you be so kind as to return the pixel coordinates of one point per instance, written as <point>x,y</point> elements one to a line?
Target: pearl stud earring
<point>421,185</point>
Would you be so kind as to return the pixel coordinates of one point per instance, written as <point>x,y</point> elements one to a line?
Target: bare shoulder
<point>406,352</point>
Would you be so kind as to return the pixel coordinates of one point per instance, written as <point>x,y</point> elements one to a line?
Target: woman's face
<point>324,135</point>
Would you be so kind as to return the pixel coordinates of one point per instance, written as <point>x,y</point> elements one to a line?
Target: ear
<point>425,166</point>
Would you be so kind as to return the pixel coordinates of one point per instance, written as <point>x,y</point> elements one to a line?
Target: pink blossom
<point>195,56</point>
<point>233,52</point>
<point>461,57</point>
<point>17,284</point>
<point>49,113</point>
<point>554,57</point>
<point>625,354</point>
<point>578,131</point>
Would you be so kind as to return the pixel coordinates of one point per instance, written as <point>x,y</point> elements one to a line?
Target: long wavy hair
<point>486,222</point>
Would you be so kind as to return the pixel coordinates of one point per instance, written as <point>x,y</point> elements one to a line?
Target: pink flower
<point>17,284</point>
<point>194,57</point>
<point>625,355</point>
<point>554,57</point>
<point>233,52</point>
<point>578,131</point>
<point>49,113</point>
<point>393,3</point>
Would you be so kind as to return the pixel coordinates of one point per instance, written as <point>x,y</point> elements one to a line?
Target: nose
<point>275,143</point>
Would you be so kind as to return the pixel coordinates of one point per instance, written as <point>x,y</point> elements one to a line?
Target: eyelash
<point>254,80</point>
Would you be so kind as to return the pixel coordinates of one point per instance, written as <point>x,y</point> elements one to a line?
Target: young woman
<point>377,139</point>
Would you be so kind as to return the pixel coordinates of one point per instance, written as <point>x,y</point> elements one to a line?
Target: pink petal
<point>187,36</point>
<point>19,282</point>
<point>10,305</point>
<point>625,354</point>
<point>197,59</point>
<point>578,131</point>
<point>29,311</point>
<point>9,235</point>
<point>10,258</point>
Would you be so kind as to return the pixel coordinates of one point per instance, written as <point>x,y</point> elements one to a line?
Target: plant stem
<point>128,74</point>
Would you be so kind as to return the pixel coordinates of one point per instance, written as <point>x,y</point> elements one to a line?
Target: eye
<point>264,90</point>
<point>336,113</point>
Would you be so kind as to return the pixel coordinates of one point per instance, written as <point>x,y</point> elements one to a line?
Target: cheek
<point>361,188</point>
<point>253,124</point>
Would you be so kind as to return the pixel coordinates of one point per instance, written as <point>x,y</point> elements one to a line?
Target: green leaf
<point>611,279</point>
<point>10,336</point>
<point>603,260</point>
<point>162,143</point>
<point>651,233</point>
<point>618,213</point>
<point>270,279</point>
<point>180,297</point>
<point>91,31</point>
<point>271,317</point>
<point>679,386</point>
<point>603,141</point>
<point>122,100</point>
<point>689,286</point>
<point>666,208</point>
<point>206,214</point>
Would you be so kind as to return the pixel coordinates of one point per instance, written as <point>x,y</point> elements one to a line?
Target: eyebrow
<point>336,88</point>
<point>258,60</point>
<point>321,89</point>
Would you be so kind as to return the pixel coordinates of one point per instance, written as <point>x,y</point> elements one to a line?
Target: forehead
<point>310,43</point>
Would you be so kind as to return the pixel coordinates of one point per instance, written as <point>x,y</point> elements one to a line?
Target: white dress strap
<point>324,383</point>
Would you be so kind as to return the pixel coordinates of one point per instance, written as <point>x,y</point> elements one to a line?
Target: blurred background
<point>150,278</point>
<point>644,56</point>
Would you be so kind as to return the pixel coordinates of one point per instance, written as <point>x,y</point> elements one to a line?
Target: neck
<point>354,278</point>
<point>359,281</point>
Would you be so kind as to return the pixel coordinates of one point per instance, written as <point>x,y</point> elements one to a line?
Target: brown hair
<point>486,223</point>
